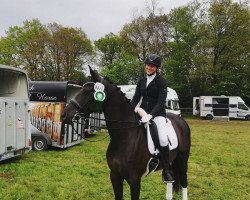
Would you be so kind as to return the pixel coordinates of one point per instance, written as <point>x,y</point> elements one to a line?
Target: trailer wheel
<point>209,117</point>
<point>247,118</point>
<point>39,144</point>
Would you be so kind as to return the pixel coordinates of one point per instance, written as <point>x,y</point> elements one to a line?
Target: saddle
<point>154,144</point>
<point>152,134</point>
<point>153,138</point>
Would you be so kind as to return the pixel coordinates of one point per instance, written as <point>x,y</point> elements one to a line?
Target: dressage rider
<point>153,90</point>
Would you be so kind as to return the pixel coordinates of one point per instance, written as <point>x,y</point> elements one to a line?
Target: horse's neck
<point>118,113</point>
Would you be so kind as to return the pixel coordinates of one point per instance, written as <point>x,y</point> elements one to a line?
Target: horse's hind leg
<point>135,186</point>
<point>117,183</point>
<point>180,167</point>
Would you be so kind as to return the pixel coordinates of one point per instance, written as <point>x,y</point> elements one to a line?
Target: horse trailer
<point>48,99</point>
<point>172,100</point>
<point>211,107</point>
<point>15,136</point>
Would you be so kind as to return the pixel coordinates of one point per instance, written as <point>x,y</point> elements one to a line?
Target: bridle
<point>76,104</point>
<point>81,108</point>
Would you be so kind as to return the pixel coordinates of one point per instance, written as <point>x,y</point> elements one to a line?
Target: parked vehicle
<point>172,101</point>
<point>15,137</point>
<point>48,98</point>
<point>220,106</point>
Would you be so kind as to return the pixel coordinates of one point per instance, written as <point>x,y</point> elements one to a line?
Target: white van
<point>15,136</point>
<point>172,101</point>
<point>221,106</point>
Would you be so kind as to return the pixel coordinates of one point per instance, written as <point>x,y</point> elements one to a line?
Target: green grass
<point>218,169</point>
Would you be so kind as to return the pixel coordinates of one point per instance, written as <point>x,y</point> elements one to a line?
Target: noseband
<point>76,104</point>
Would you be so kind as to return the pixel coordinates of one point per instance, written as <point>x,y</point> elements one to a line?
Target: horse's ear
<point>94,75</point>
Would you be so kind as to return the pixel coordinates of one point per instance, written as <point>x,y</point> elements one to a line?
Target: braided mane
<point>119,90</point>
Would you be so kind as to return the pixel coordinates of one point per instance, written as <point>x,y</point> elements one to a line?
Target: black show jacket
<point>153,97</point>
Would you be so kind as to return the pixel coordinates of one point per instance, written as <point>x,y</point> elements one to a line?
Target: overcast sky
<point>96,17</point>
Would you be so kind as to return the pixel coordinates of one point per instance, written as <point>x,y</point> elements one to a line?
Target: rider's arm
<point>161,100</point>
<point>137,96</point>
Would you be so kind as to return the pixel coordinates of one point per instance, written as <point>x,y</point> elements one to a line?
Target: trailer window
<point>242,106</point>
<point>233,105</point>
<point>176,105</point>
<point>168,104</point>
<point>208,105</point>
<point>13,84</point>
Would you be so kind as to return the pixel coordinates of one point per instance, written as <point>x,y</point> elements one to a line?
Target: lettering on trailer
<point>44,97</point>
<point>32,87</point>
<point>39,94</point>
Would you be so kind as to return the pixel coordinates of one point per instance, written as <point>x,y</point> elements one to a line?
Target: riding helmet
<point>153,59</point>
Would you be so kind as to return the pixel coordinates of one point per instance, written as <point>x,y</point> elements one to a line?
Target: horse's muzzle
<point>65,118</point>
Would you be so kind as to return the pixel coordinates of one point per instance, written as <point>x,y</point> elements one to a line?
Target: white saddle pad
<point>172,137</point>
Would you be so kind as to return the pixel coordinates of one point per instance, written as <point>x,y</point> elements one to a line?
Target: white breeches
<point>161,127</point>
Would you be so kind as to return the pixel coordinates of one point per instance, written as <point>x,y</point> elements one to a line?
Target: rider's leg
<point>167,174</point>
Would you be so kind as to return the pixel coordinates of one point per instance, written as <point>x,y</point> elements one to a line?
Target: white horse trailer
<point>210,107</point>
<point>15,136</point>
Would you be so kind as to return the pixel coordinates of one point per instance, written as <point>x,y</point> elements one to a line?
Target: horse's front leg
<point>117,183</point>
<point>135,186</point>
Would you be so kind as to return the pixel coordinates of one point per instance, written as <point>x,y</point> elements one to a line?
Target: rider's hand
<point>146,118</point>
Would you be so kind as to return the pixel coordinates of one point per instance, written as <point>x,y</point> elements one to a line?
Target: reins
<point>86,118</point>
<point>81,108</point>
<point>108,120</point>
<point>117,121</point>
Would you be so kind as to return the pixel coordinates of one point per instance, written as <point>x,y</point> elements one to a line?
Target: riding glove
<point>146,118</point>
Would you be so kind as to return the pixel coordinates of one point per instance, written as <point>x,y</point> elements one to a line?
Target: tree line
<point>204,45</point>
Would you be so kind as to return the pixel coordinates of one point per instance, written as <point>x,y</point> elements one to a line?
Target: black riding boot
<point>167,174</point>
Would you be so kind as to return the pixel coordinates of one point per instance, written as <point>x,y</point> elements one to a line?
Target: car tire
<point>39,144</point>
<point>247,118</point>
<point>209,117</point>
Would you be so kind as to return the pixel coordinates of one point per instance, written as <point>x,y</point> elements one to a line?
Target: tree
<point>49,52</point>
<point>110,48</point>
<point>179,62</point>
<point>22,46</point>
<point>145,35</point>
<point>226,45</point>
<point>126,70</point>
<point>67,51</point>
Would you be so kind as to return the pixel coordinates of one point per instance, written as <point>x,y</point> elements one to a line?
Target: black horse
<point>127,154</point>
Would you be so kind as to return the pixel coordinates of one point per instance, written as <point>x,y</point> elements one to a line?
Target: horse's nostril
<point>63,116</point>
<point>77,117</point>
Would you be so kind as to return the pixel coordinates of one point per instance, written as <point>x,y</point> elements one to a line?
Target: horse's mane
<point>119,90</point>
<point>123,95</point>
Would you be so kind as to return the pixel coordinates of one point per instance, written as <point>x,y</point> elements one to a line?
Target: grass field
<point>219,168</point>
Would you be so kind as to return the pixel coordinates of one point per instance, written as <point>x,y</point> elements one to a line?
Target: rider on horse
<point>153,90</point>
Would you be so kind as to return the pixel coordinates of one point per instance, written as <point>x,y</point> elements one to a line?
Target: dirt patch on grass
<point>6,175</point>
